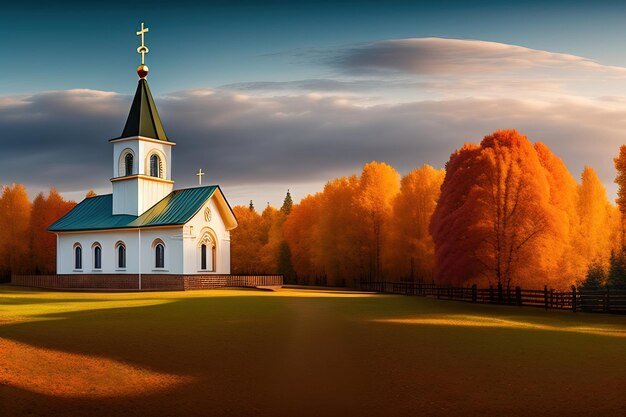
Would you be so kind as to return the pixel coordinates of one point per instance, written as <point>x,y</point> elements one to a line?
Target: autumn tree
<point>301,233</point>
<point>271,229</point>
<point>45,211</point>
<point>412,251</point>
<point>570,264</point>
<point>342,249</point>
<point>246,241</point>
<point>14,227</point>
<point>496,219</point>
<point>595,212</point>
<point>378,185</point>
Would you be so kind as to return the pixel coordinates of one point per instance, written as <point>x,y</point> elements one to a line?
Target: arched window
<point>206,251</point>
<point>128,164</point>
<point>155,166</point>
<point>159,256</point>
<point>78,257</point>
<point>97,257</point>
<point>121,255</point>
<point>203,256</point>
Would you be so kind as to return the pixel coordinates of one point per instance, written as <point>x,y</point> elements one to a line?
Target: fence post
<point>545,296</point>
<point>474,293</point>
<point>607,300</point>
<point>574,298</point>
<point>499,293</point>
<point>518,296</point>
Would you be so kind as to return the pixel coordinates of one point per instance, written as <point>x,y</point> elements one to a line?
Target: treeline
<point>505,211</point>
<point>372,226</point>
<point>26,247</point>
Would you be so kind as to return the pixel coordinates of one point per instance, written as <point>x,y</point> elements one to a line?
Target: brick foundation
<point>149,282</point>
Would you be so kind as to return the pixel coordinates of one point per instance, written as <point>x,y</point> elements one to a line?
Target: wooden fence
<point>595,301</point>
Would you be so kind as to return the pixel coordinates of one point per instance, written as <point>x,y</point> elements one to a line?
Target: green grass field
<point>295,352</point>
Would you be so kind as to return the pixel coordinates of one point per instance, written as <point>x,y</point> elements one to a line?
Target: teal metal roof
<point>95,213</point>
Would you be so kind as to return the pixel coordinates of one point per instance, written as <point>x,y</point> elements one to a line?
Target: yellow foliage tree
<point>412,249</point>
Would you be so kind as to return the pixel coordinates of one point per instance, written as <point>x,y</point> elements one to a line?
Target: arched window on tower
<point>155,166</point>
<point>128,163</point>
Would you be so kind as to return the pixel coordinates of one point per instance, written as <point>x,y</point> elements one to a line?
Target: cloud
<point>438,56</point>
<point>259,147</point>
<point>259,138</point>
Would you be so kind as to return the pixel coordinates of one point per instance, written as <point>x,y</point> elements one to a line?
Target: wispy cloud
<point>437,56</point>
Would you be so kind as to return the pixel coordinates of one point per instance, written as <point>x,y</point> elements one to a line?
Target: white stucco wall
<point>171,237</point>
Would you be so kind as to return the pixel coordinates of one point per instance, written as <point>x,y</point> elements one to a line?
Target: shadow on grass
<point>276,354</point>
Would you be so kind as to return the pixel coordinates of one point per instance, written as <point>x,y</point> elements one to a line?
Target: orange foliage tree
<point>570,264</point>
<point>597,220</point>
<point>246,241</point>
<point>14,226</point>
<point>45,211</point>
<point>496,221</point>
<point>379,184</point>
<point>302,234</point>
<point>412,251</point>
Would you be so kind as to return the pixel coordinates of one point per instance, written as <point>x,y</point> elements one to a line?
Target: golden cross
<point>200,174</point>
<point>143,49</point>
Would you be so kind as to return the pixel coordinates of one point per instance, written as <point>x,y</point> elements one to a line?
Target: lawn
<point>296,352</point>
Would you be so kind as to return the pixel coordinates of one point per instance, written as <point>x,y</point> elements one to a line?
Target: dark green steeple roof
<point>143,119</point>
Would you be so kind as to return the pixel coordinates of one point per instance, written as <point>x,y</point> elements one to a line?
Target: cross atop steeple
<point>200,174</point>
<point>143,49</point>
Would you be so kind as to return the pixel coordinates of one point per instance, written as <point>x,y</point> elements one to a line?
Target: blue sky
<point>290,94</point>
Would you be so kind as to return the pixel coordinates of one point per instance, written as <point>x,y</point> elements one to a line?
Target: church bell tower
<point>142,155</point>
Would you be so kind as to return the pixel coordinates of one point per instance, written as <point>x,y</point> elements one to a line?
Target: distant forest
<point>505,211</point>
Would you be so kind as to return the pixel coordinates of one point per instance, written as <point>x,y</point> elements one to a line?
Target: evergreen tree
<point>251,206</point>
<point>287,204</point>
<point>595,278</point>
<point>617,271</point>
<point>285,267</point>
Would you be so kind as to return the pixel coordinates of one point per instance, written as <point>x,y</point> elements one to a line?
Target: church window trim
<point>159,254</point>
<point>127,163</point>
<point>155,164</point>
<point>97,256</point>
<point>78,257</point>
<point>120,253</point>
<point>207,242</point>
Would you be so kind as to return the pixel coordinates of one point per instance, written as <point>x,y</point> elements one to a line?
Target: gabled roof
<point>177,208</point>
<point>143,118</point>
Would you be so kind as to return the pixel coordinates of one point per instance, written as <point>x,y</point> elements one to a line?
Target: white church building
<point>145,226</point>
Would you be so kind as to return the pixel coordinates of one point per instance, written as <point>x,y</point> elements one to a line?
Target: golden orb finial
<point>142,71</point>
